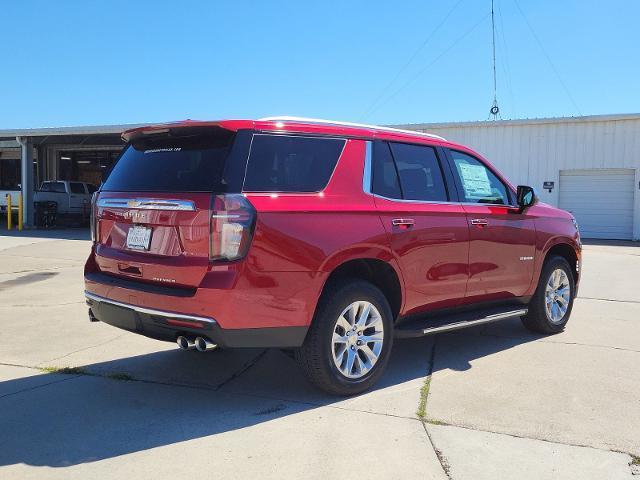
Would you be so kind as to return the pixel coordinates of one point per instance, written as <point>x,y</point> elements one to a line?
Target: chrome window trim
<point>147,204</point>
<point>150,311</point>
<point>321,121</point>
<point>367,182</point>
<point>367,178</point>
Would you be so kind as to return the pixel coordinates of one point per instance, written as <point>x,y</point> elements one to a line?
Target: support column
<point>27,180</point>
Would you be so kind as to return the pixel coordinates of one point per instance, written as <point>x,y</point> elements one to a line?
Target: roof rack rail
<point>286,118</point>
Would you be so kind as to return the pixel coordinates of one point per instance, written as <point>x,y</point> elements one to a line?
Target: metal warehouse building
<point>587,165</point>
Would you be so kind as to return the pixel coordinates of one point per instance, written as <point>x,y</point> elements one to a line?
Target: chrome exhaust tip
<point>184,343</point>
<point>204,345</point>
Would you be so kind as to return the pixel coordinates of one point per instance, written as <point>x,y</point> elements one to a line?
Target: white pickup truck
<point>70,197</point>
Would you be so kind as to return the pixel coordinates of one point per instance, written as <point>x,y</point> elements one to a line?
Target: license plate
<point>138,238</point>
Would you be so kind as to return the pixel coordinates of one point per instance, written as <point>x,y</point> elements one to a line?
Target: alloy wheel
<point>358,336</point>
<point>557,295</point>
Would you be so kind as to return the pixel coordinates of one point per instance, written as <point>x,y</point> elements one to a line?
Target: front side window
<point>478,183</point>
<point>281,163</point>
<point>419,172</point>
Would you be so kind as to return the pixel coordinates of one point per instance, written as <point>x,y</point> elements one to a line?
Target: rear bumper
<point>167,326</point>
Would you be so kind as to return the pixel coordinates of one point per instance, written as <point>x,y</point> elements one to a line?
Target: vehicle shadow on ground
<point>182,396</point>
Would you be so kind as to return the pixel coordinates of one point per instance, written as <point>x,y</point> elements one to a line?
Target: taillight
<point>93,220</point>
<point>233,220</point>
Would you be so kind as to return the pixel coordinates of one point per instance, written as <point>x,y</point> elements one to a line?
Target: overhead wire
<point>411,59</point>
<point>430,64</point>
<point>495,110</point>
<point>544,51</point>
<point>505,64</point>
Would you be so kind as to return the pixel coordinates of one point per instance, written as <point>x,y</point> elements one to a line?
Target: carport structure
<point>30,156</point>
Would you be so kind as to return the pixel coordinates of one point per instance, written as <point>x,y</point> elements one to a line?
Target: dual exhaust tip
<point>199,343</point>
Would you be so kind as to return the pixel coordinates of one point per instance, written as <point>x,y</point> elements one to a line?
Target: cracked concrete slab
<point>585,327</point>
<point>15,379</point>
<point>95,427</point>
<point>397,393</point>
<point>477,455</point>
<point>611,273</point>
<point>569,388</point>
<point>566,393</point>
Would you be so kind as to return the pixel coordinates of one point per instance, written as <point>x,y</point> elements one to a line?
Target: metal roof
<point>58,131</point>
<point>523,121</point>
<point>11,134</point>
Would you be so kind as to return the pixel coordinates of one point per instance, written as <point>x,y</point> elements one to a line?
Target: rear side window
<point>57,187</point>
<point>77,187</point>
<point>420,173</point>
<point>279,163</point>
<point>189,161</point>
<point>385,176</point>
<point>91,188</point>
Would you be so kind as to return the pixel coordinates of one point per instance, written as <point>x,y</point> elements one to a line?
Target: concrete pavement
<point>517,405</point>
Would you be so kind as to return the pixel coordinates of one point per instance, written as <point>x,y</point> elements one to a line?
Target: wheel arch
<point>567,251</point>
<point>381,273</point>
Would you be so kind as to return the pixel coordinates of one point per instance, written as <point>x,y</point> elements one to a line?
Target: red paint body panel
<point>299,239</point>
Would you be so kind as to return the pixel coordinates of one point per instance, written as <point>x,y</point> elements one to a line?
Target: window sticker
<point>475,181</point>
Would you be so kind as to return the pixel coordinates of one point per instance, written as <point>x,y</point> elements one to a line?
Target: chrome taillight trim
<point>148,204</point>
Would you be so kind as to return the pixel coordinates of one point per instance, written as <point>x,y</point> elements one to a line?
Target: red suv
<point>325,238</point>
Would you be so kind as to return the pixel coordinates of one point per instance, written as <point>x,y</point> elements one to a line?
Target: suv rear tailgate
<point>178,228</point>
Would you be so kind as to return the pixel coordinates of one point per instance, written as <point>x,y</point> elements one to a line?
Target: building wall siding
<point>532,153</point>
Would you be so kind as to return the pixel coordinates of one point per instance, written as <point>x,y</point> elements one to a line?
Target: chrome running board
<point>451,322</point>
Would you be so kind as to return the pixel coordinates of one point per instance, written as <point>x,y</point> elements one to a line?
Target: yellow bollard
<point>8,211</point>
<point>20,211</point>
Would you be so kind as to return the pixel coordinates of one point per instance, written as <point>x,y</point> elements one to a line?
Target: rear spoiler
<point>179,128</point>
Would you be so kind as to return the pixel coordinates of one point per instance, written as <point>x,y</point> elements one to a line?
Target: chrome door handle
<point>406,222</point>
<point>481,222</point>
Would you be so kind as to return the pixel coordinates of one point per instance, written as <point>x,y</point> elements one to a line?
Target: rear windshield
<point>172,163</point>
<point>282,163</point>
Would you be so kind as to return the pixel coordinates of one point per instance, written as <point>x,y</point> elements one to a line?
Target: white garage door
<point>601,200</point>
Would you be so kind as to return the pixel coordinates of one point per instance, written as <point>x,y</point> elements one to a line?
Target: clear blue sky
<point>100,62</point>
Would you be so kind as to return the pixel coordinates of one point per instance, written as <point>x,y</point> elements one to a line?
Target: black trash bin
<point>45,213</point>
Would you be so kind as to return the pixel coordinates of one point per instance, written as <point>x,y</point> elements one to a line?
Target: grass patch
<point>65,370</point>
<point>635,460</point>
<point>81,371</point>
<point>424,393</point>
<point>120,376</point>
<point>431,421</point>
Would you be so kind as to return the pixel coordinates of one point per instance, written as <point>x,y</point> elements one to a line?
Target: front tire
<point>551,305</point>
<point>349,341</point>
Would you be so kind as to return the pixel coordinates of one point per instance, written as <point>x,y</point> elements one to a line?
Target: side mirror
<point>526,197</point>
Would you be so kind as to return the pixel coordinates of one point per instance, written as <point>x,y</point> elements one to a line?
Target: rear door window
<point>420,173</point>
<point>281,163</point>
<point>57,187</point>
<point>77,187</point>
<point>476,182</point>
<point>192,161</point>
<point>385,180</point>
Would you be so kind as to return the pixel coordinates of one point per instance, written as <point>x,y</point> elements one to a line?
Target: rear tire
<point>551,305</point>
<point>349,341</point>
